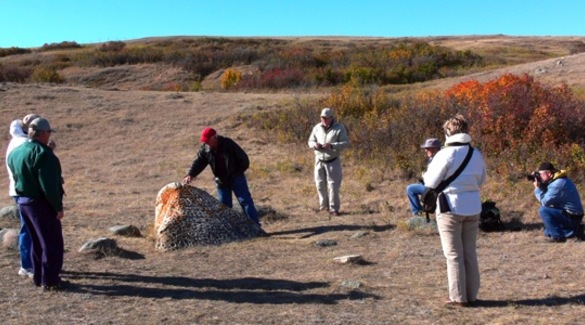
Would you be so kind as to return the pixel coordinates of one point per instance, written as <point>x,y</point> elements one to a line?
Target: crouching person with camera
<point>561,211</point>
<point>458,208</point>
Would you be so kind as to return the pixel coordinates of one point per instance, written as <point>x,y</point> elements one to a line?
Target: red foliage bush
<point>514,112</point>
<point>515,121</point>
<point>273,79</point>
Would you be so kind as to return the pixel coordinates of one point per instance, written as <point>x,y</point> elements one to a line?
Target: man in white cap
<point>327,140</point>
<point>414,191</point>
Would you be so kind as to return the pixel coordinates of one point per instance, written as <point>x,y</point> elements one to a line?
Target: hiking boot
<point>263,233</point>
<point>555,240</point>
<point>24,272</point>
<point>576,238</point>
<point>62,285</point>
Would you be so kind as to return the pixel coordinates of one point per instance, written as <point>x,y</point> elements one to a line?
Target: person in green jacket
<point>39,185</point>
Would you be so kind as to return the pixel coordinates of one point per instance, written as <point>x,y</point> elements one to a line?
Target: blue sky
<point>32,23</point>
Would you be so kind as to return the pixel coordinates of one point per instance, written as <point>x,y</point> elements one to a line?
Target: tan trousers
<point>458,238</point>
<point>328,178</point>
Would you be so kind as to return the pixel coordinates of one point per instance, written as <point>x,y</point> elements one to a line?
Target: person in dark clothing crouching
<point>228,162</point>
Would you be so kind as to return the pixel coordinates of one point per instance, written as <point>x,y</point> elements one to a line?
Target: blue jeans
<point>24,242</point>
<point>240,188</point>
<point>414,191</point>
<point>557,224</point>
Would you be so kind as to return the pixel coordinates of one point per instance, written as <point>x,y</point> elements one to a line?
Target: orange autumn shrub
<point>520,121</point>
<point>515,121</point>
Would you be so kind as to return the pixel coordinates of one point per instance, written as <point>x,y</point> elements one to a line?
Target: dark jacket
<point>235,160</point>
<point>37,173</point>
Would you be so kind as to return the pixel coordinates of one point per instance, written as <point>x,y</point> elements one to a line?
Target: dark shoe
<point>576,239</point>
<point>555,240</point>
<point>335,213</point>
<point>262,233</point>
<point>62,285</point>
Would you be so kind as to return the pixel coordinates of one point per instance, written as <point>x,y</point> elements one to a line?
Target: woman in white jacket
<point>458,227</point>
<point>18,137</point>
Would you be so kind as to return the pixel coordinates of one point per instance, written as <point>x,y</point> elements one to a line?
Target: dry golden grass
<point>118,148</point>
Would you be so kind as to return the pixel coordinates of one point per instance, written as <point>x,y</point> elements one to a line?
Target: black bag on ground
<point>489,219</point>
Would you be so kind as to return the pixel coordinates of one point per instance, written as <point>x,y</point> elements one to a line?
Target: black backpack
<point>489,220</point>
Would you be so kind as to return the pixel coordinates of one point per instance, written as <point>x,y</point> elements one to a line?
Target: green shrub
<point>59,46</point>
<point>12,73</point>
<point>112,46</point>
<point>13,51</point>
<point>44,74</point>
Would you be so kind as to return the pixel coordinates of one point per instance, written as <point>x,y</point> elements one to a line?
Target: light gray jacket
<point>336,135</point>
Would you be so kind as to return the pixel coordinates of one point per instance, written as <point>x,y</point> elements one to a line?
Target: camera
<point>534,176</point>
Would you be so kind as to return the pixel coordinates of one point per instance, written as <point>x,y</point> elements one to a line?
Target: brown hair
<point>456,124</point>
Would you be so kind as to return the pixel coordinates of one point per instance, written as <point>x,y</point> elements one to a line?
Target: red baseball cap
<point>206,134</point>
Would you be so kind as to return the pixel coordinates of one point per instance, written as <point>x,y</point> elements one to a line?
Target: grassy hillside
<point>198,63</point>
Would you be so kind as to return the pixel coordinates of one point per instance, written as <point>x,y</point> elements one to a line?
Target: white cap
<point>326,112</point>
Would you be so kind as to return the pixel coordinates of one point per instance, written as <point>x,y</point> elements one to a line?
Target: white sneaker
<point>25,272</point>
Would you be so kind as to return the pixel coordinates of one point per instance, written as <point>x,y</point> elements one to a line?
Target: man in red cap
<point>228,162</point>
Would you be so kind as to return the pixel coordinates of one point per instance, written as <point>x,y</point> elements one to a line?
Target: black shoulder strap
<point>446,182</point>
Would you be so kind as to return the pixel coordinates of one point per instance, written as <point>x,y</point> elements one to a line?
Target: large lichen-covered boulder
<point>187,216</point>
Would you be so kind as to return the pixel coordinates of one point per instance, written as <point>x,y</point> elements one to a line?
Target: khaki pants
<point>458,238</point>
<point>328,178</point>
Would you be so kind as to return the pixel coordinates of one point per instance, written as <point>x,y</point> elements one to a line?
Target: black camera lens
<point>533,177</point>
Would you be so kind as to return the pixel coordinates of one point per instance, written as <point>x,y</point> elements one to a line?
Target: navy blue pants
<point>47,240</point>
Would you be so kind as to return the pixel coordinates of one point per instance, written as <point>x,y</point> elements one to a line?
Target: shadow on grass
<point>244,290</point>
<point>549,302</point>
<point>513,222</point>
<point>312,231</point>
<point>130,255</point>
<point>519,226</point>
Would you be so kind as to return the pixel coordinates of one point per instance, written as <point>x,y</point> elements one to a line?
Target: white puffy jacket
<point>18,138</point>
<point>463,192</point>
